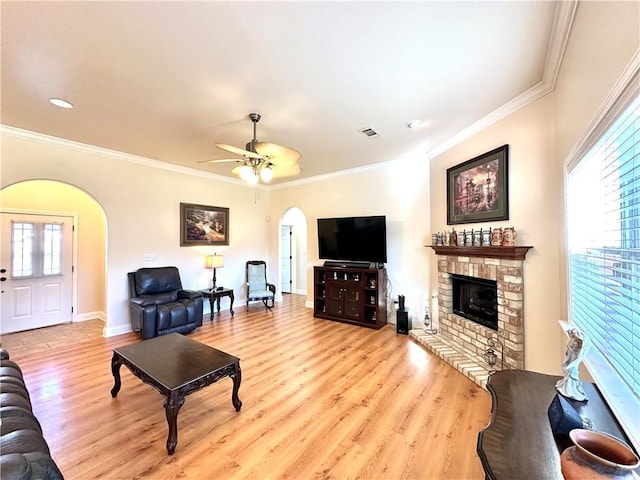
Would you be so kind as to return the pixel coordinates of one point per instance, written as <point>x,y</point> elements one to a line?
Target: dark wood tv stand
<point>350,295</point>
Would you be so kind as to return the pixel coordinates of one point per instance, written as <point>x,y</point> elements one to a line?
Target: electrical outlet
<point>150,257</point>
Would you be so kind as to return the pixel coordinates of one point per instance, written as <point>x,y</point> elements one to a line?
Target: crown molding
<point>105,152</point>
<point>626,87</point>
<point>560,31</point>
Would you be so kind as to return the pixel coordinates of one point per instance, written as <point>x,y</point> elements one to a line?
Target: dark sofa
<point>24,453</point>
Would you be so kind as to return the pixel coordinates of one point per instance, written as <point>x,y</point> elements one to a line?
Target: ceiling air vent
<point>369,132</point>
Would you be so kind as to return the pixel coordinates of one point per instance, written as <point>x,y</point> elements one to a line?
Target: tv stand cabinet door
<point>334,298</point>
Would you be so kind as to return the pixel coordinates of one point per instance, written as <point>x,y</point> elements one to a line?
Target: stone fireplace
<point>462,342</point>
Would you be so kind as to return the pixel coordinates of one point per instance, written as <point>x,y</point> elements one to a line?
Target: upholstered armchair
<point>159,305</point>
<point>257,286</point>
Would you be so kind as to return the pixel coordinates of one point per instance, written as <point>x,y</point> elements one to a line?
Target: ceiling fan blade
<point>239,160</point>
<point>287,171</point>
<point>278,155</point>
<point>239,151</point>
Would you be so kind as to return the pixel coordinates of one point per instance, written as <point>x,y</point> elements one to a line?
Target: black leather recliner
<point>159,305</point>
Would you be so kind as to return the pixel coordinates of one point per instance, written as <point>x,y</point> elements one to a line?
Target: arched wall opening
<point>292,252</point>
<point>47,196</point>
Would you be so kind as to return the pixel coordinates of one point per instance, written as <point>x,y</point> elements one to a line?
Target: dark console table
<point>518,442</point>
<point>216,295</point>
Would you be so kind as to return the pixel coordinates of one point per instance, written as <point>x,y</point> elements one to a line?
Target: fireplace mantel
<point>512,253</point>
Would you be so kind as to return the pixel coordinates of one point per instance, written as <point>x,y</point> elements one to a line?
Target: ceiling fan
<point>261,160</point>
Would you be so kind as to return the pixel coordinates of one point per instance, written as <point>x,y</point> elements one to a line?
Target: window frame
<point>619,396</point>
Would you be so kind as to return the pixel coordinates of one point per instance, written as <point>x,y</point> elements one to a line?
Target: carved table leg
<point>237,378</point>
<point>218,304</point>
<point>231,305</point>
<point>211,305</point>
<point>172,406</point>
<point>115,370</point>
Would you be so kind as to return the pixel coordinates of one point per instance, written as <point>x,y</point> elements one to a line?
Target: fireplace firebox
<point>476,299</point>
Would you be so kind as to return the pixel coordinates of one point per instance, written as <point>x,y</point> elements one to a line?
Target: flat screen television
<point>357,239</point>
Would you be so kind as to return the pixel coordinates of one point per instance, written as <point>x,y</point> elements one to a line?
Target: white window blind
<point>603,207</point>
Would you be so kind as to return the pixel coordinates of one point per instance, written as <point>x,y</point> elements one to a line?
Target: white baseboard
<point>120,330</point>
<point>83,317</point>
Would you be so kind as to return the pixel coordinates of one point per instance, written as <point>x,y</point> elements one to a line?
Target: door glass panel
<point>22,244</point>
<point>52,251</point>
<point>36,249</point>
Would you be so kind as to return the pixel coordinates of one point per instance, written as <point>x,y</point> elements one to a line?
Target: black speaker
<point>403,324</point>
<point>400,302</point>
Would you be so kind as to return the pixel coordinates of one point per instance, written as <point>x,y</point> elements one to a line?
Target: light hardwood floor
<point>321,399</point>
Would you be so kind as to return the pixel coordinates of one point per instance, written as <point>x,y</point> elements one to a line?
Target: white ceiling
<point>168,80</point>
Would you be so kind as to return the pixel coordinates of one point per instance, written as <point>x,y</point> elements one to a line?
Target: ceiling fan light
<point>252,179</point>
<point>246,172</point>
<point>266,174</point>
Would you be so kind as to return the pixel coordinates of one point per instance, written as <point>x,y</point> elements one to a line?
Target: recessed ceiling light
<point>60,103</point>
<point>414,124</point>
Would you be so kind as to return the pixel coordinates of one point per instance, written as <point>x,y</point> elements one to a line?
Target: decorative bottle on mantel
<point>509,237</point>
<point>486,237</point>
<point>461,236</point>
<point>477,238</point>
<point>496,237</point>
<point>453,238</point>
<point>468,238</point>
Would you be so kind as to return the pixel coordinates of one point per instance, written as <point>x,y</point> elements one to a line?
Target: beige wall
<point>533,211</point>
<point>604,38</point>
<point>602,43</point>
<point>141,201</point>
<point>47,196</point>
<point>398,190</point>
<point>141,205</point>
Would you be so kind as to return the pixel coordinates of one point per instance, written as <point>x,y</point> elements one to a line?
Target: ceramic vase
<point>597,456</point>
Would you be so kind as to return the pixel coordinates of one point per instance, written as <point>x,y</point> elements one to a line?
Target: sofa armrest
<point>190,294</point>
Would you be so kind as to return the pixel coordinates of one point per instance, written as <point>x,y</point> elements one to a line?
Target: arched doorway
<point>48,198</point>
<point>293,252</point>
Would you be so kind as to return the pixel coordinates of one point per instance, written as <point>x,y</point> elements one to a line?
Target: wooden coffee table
<point>176,366</point>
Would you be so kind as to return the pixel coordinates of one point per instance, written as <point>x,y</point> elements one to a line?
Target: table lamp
<point>214,261</point>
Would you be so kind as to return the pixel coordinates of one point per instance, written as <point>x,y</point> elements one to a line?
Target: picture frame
<point>203,225</point>
<point>478,189</point>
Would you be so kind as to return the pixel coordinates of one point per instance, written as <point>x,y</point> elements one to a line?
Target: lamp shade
<point>214,261</point>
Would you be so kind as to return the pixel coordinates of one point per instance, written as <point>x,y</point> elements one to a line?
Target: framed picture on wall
<point>478,189</point>
<point>203,225</point>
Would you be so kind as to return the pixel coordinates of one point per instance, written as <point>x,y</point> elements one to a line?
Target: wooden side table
<point>216,295</point>
<point>518,442</point>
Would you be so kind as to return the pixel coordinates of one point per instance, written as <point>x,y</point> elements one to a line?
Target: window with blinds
<point>603,208</point>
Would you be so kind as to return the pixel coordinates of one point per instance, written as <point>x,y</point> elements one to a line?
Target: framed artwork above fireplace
<point>478,189</point>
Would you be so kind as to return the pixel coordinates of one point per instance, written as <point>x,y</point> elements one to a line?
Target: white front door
<point>36,271</point>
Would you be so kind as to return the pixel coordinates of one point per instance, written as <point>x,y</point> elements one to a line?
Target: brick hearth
<point>461,342</point>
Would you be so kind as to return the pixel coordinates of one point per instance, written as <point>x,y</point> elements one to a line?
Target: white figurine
<point>571,386</point>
